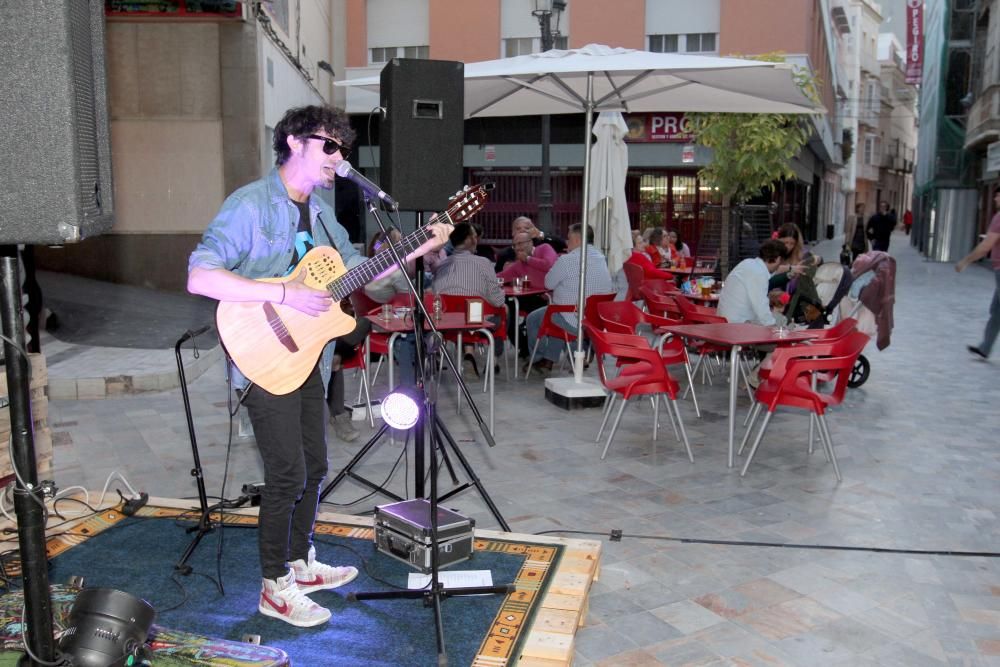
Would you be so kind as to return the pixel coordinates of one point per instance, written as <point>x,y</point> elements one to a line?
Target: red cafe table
<point>737,336</point>
<point>449,321</point>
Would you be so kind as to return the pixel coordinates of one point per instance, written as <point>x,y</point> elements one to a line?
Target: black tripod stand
<point>205,524</point>
<point>428,424</point>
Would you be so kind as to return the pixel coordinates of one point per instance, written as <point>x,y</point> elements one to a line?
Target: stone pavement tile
<point>787,619</point>
<point>636,658</point>
<point>738,600</point>
<point>643,628</point>
<point>687,616</point>
<point>686,652</point>
<point>900,655</point>
<point>598,642</point>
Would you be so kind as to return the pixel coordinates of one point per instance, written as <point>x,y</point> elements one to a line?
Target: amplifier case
<point>403,531</point>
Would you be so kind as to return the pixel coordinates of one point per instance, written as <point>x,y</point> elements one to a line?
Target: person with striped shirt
<point>465,273</point>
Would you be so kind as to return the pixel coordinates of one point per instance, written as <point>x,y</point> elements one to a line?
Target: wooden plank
<point>39,373</point>
<point>548,646</point>
<point>39,411</point>
<point>556,620</point>
<point>569,583</point>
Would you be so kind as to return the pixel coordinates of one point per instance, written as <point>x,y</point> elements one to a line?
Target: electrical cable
<point>364,565</point>
<point>369,495</point>
<point>616,536</point>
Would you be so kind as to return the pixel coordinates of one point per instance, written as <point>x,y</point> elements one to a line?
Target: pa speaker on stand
<point>423,134</point>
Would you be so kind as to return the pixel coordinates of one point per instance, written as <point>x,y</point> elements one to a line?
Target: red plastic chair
<point>658,302</point>
<point>791,384</point>
<point>836,332</point>
<point>553,330</point>
<point>626,318</point>
<point>643,374</point>
<point>634,275</point>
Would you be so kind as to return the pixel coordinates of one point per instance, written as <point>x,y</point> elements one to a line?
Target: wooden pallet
<point>38,390</point>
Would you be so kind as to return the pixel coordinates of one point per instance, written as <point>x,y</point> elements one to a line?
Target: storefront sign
<point>649,127</point>
<point>490,153</point>
<point>914,40</point>
<point>687,153</point>
<point>993,157</point>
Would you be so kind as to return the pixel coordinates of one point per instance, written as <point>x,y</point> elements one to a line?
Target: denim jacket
<point>253,235</point>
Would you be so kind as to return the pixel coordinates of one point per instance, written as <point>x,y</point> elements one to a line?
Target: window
<point>700,42</point>
<point>663,43</point>
<point>871,149</point>
<point>386,53</point>
<point>518,46</point>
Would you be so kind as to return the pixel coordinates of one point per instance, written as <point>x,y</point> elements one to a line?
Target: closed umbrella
<point>607,206</point>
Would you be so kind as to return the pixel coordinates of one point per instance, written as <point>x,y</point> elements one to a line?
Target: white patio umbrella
<point>604,78</point>
<point>607,207</point>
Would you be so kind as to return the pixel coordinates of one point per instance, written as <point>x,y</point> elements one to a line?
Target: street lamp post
<point>543,12</point>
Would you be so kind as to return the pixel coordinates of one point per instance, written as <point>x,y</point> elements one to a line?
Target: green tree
<point>751,151</point>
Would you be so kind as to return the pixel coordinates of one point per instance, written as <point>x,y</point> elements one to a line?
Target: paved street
<point>917,446</point>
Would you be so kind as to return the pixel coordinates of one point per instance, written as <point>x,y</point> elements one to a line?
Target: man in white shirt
<point>564,281</point>
<point>744,296</point>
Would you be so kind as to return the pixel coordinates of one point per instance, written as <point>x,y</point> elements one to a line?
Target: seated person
<point>655,250</point>
<point>534,262</point>
<point>642,260</point>
<point>564,281</point>
<point>745,294</point>
<point>680,248</point>
<point>538,237</point>
<point>795,276</point>
<point>466,274</point>
<point>795,257</point>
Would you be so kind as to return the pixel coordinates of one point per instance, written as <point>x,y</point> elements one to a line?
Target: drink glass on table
<point>518,284</point>
<point>386,311</point>
<point>524,281</point>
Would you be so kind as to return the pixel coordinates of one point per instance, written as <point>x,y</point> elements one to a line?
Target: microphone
<point>345,170</point>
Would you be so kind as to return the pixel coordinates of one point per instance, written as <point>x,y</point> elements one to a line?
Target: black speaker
<point>55,150</point>
<point>423,132</point>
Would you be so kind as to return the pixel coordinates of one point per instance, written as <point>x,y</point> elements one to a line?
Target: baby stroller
<point>866,292</point>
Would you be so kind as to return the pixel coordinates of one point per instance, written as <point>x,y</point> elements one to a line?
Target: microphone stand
<point>428,422</point>
<point>434,425</point>
<point>205,524</point>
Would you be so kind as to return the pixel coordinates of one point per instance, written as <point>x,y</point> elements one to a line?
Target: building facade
<point>195,94</point>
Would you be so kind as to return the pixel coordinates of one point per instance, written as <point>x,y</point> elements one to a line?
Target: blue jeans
<point>549,348</point>
<point>993,324</point>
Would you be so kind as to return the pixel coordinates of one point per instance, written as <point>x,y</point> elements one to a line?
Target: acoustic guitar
<point>276,346</point>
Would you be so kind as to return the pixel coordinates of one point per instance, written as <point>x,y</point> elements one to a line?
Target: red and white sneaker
<point>311,575</point>
<point>282,598</point>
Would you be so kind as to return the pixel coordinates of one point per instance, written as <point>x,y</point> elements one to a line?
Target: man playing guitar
<point>250,255</point>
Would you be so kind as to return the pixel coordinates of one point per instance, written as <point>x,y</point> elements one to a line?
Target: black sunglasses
<point>330,146</point>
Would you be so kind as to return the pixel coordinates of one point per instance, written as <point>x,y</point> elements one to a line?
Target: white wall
<point>669,17</point>
<point>399,23</point>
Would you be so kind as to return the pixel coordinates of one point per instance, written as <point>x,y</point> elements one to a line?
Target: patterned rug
<point>136,555</point>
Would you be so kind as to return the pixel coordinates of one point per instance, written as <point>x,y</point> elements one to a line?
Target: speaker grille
<point>55,149</point>
<point>82,49</point>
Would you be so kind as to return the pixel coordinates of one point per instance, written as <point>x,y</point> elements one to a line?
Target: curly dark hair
<point>771,250</point>
<point>303,121</point>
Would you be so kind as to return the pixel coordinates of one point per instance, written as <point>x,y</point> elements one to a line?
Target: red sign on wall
<point>914,40</point>
<point>648,127</point>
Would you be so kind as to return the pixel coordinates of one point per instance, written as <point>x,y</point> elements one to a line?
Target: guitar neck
<point>363,274</point>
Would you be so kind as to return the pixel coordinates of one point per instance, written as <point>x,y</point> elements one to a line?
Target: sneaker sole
<point>328,587</point>
<point>267,611</point>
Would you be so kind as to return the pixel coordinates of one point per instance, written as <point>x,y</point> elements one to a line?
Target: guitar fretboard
<point>363,274</point>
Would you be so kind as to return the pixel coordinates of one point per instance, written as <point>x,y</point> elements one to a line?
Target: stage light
<point>400,409</point>
<point>106,627</point>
